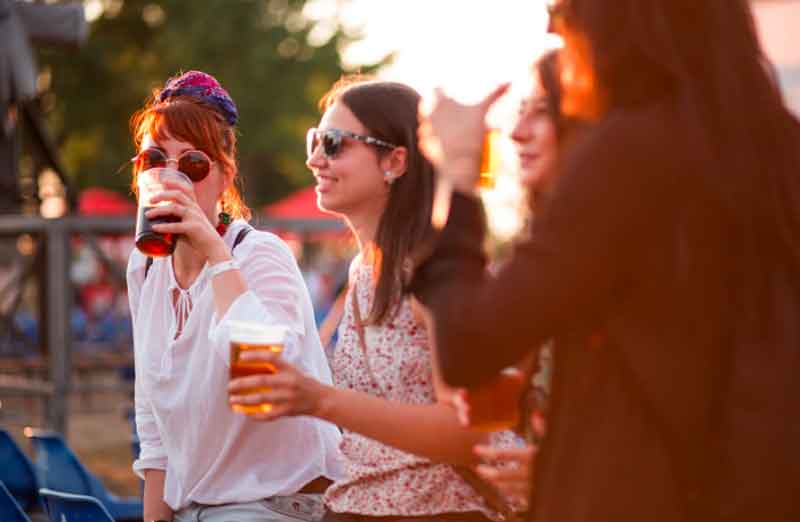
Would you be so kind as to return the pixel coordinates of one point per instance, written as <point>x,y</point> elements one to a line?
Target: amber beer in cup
<point>489,168</point>
<point>490,159</point>
<point>250,336</point>
<point>494,406</point>
<point>150,183</point>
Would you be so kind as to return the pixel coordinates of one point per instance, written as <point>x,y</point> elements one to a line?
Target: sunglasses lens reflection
<point>195,165</point>
<point>151,159</point>
<point>331,142</point>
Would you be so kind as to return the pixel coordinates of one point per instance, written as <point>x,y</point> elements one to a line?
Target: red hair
<point>188,119</point>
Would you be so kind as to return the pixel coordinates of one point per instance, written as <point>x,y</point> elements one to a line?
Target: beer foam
<point>250,332</point>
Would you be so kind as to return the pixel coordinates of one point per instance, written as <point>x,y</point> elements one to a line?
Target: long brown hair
<point>705,55</point>
<point>188,119</point>
<point>388,110</point>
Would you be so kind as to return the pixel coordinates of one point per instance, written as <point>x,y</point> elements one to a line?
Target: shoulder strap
<point>362,339</point>
<point>239,238</point>
<point>147,265</point>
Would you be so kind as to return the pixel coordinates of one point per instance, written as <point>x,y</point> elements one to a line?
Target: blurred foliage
<point>260,50</point>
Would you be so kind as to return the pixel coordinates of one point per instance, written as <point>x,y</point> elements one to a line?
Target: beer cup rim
<point>252,332</point>
<point>155,174</point>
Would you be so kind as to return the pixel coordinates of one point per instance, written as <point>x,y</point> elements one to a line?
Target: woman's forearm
<point>428,430</point>
<point>154,506</point>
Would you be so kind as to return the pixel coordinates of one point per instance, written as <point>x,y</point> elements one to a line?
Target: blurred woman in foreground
<point>665,264</point>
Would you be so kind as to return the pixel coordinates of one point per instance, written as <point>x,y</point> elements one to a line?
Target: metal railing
<point>56,292</point>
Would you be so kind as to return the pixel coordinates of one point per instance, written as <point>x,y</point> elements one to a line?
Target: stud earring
<point>387,177</point>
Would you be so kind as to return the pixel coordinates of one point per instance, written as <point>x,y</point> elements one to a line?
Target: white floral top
<point>383,480</point>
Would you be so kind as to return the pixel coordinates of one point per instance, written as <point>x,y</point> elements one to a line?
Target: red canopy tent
<point>301,205</point>
<point>98,201</point>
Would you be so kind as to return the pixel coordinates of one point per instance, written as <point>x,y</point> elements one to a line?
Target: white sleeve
<point>275,296</point>
<point>151,453</point>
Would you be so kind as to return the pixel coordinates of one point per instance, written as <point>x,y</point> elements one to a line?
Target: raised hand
<point>193,226</point>
<point>451,135</point>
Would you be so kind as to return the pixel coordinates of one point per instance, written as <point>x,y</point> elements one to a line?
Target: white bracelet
<point>218,268</point>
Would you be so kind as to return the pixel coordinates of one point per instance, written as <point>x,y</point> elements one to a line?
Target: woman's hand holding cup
<point>451,135</point>
<point>178,199</point>
<point>286,390</point>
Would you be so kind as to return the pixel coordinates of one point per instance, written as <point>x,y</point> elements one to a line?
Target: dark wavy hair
<point>705,54</point>
<point>388,111</point>
<point>548,70</point>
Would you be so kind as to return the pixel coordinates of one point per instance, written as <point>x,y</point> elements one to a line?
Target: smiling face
<point>536,139</point>
<point>207,191</point>
<point>352,182</point>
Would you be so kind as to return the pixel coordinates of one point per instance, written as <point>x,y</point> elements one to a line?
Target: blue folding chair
<point>67,507</point>
<point>17,473</point>
<point>59,469</point>
<point>10,511</point>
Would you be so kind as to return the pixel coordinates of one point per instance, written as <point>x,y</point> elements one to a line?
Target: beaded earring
<point>224,221</point>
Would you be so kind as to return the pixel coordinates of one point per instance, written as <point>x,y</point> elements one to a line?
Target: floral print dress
<point>383,480</point>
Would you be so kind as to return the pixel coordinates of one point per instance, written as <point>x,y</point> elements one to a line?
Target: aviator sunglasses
<point>332,139</point>
<point>194,163</point>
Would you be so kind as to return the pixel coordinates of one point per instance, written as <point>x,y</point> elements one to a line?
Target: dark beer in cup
<point>148,241</point>
<point>494,406</point>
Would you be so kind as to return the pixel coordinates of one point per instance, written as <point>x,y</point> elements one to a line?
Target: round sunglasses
<point>194,163</point>
<point>332,139</point>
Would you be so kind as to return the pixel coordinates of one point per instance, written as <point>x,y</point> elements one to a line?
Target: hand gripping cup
<point>249,336</point>
<point>150,183</point>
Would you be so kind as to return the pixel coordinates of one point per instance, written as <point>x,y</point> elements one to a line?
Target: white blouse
<point>211,454</point>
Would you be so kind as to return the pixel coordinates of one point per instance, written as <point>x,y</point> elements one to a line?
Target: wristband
<point>218,268</point>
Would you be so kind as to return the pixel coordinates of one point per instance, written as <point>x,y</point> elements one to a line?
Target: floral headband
<point>203,87</point>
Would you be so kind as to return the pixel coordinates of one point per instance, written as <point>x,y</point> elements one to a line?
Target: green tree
<point>262,51</point>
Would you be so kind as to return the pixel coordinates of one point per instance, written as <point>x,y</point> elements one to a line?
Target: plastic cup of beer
<point>490,159</point>
<point>150,183</point>
<point>495,405</point>
<point>251,336</point>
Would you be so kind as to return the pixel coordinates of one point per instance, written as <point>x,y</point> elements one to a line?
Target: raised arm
<point>599,222</point>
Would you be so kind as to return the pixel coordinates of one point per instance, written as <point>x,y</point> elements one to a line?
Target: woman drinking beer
<point>401,436</point>
<point>197,455</point>
<point>540,131</point>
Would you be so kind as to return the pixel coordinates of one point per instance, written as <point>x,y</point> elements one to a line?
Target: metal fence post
<point>58,328</point>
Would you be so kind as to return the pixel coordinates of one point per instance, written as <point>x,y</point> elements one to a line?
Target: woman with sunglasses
<point>401,436</point>
<point>198,457</point>
<point>665,264</point>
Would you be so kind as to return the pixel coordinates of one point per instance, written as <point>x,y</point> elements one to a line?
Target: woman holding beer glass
<point>397,419</point>
<point>540,130</point>
<point>197,455</point>
<point>665,264</point>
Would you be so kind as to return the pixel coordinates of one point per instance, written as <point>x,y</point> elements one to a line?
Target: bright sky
<point>469,46</point>
<point>465,46</point>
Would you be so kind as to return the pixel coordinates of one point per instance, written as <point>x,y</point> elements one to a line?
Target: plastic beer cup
<point>249,336</point>
<point>150,182</point>
<point>495,405</point>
